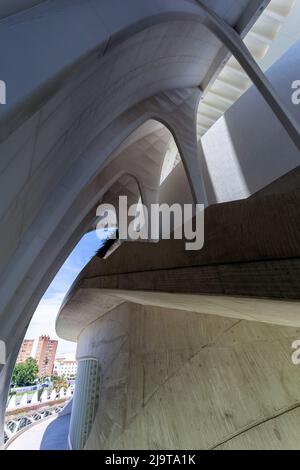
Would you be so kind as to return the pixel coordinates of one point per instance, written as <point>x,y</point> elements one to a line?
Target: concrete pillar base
<point>182,380</point>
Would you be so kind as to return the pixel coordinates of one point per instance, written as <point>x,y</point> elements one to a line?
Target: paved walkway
<point>51,434</point>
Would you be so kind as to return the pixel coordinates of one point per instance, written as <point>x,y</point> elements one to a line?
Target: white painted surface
<point>56,142</point>
<point>50,434</point>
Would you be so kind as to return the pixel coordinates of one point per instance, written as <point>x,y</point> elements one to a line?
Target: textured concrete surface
<point>181,380</point>
<point>251,254</point>
<point>73,101</point>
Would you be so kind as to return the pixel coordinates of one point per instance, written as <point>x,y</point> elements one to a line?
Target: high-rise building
<point>45,355</point>
<point>25,351</point>
<point>43,350</point>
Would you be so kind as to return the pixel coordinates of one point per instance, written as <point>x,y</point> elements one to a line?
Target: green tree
<point>59,382</point>
<point>25,373</point>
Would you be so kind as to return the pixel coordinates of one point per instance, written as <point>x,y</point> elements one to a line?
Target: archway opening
<point>43,381</point>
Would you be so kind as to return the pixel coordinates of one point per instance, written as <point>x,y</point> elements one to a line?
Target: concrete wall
<point>182,380</point>
<point>247,148</point>
<point>11,7</point>
<point>51,102</point>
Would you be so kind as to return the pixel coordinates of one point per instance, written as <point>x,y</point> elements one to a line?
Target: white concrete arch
<point>42,264</point>
<point>65,122</point>
<point>27,216</point>
<point>102,34</point>
<point>9,214</point>
<point>183,126</point>
<point>207,14</point>
<point>68,188</point>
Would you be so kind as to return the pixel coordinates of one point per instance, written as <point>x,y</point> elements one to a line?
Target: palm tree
<point>59,382</point>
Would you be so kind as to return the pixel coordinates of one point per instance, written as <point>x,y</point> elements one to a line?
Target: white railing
<point>31,398</point>
<point>18,418</point>
<point>16,424</point>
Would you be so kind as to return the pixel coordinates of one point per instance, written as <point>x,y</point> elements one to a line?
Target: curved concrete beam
<point>95,32</point>
<point>183,125</point>
<point>68,191</point>
<point>102,32</point>
<point>232,40</point>
<point>258,270</point>
<point>172,379</point>
<point>76,220</point>
<point>99,86</point>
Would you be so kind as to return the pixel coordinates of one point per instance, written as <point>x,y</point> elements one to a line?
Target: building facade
<point>43,350</point>
<point>45,355</point>
<point>65,367</point>
<point>25,351</point>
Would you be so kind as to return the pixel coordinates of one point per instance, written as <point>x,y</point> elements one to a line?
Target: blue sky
<point>43,321</point>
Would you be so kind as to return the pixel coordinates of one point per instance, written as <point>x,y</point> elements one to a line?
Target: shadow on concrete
<point>56,434</point>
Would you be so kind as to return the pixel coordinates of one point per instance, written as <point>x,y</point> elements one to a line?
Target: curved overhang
<point>94,120</point>
<point>86,305</point>
<point>102,33</point>
<point>238,273</point>
<point>104,83</point>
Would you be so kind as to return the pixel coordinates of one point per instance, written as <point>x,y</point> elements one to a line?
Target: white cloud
<point>43,322</point>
